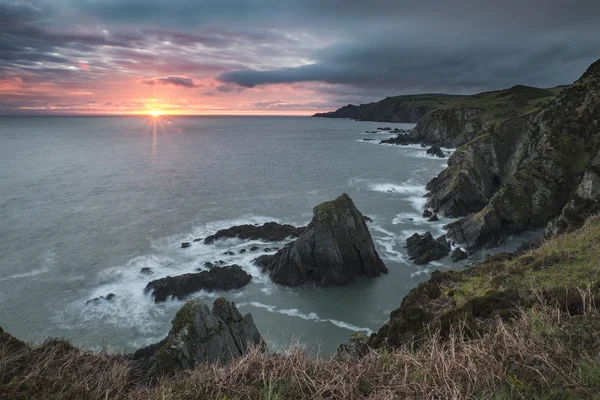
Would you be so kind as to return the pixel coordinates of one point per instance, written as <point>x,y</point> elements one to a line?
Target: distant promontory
<point>402,109</point>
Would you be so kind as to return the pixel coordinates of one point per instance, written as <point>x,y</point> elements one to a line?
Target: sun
<point>155,113</point>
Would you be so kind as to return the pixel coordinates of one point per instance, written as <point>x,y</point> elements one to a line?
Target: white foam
<point>387,251</point>
<point>132,308</point>
<point>309,317</point>
<point>405,188</point>
<point>423,271</point>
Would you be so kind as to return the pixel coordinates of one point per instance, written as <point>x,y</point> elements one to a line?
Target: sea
<point>87,202</point>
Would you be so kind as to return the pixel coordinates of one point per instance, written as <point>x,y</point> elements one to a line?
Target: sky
<point>280,56</point>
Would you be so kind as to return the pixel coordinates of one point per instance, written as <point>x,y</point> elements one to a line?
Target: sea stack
<point>335,248</point>
<point>200,336</point>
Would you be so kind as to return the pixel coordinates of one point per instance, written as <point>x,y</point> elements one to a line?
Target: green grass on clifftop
<point>505,104</point>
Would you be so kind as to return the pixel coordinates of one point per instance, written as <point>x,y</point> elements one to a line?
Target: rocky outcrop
<point>543,173</point>
<point>270,231</point>
<point>407,109</point>
<point>585,202</point>
<point>435,150</point>
<point>10,344</point>
<point>450,127</point>
<point>335,248</point>
<point>201,335</point>
<point>458,255</point>
<point>424,248</point>
<point>217,278</point>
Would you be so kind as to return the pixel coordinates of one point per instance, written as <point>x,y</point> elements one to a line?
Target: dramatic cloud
<point>182,81</point>
<point>273,56</point>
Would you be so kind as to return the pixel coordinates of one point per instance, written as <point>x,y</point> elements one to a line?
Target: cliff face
<point>469,117</point>
<point>539,168</point>
<point>405,109</point>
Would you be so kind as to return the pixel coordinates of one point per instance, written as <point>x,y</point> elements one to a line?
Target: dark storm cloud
<point>459,46</point>
<point>182,81</point>
<point>345,50</point>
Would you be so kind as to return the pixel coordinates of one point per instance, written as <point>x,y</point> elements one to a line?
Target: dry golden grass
<point>543,353</point>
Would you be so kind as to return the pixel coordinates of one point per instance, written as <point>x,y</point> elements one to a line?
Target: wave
<point>309,317</point>
<point>48,264</point>
<point>133,309</point>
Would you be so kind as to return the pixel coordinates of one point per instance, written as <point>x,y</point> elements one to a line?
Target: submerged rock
<point>146,271</point>
<point>424,248</point>
<point>97,300</point>
<point>270,231</point>
<point>335,248</point>
<point>185,245</point>
<point>201,335</point>
<point>367,219</point>
<point>435,150</point>
<point>433,218</point>
<point>217,278</point>
<point>427,213</point>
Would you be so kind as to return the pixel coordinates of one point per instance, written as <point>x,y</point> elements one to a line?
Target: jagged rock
<point>11,344</point>
<point>540,161</point>
<point>435,150</point>
<point>242,251</point>
<point>433,218</point>
<point>270,231</point>
<point>229,253</point>
<point>97,300</point>
<point>185,245</point>
<point>355,350</point>
<point>586,202</point>
<point>335,248</point>
<point>254,248</point>
<point>267,249</point>
<point>218,278</point>
<point>200,336</point>
<point>402,140</point>
<point>146,271</point>
<point>427,214</point>
<point>424,248</point>
<point>458,255</point>
<point>367,219</point>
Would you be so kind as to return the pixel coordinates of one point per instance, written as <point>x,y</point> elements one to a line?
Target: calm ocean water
<point>86,202</point>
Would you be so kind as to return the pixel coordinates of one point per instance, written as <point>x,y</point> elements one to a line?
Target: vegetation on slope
<point>523,327</point>
<point>508,103</point>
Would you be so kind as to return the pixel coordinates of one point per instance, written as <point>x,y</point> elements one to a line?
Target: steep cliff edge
<point>466,118</point>
<point>407,109</point>
<point>538,170</point>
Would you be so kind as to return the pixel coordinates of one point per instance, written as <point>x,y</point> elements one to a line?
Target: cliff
<point>407,109</point>
<point>466,118</point>
<point>526,171</point>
